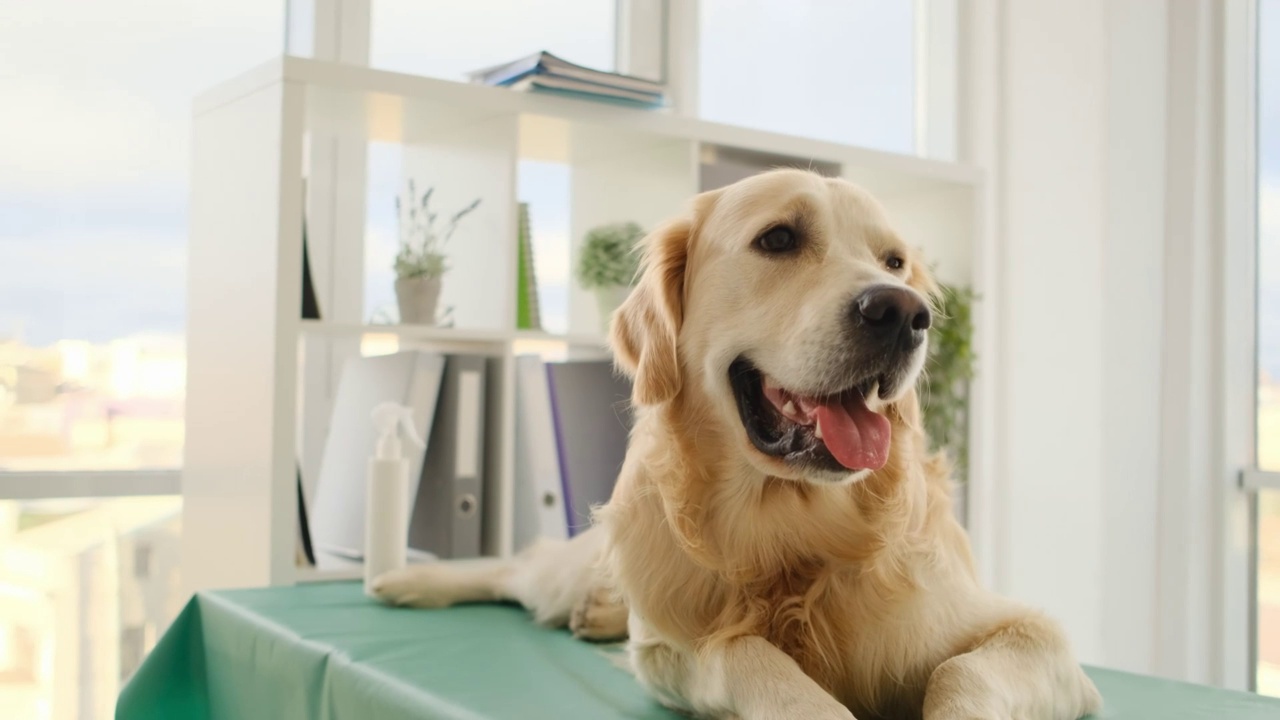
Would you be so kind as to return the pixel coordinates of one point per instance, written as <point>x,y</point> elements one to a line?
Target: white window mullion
<point>88,484</point>
<point>639,43</point>
<point>1204,523</point>
<point>978,130</point>
<point>1236,598</point>
<point>337,30</point>
<point>937,77</point>
<point>680,56</point>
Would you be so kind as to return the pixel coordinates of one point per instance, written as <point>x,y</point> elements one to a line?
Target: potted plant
<point>421,263</point>
<point>608,264</point>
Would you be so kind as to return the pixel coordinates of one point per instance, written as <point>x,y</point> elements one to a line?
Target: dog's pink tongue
<point>857,437</point>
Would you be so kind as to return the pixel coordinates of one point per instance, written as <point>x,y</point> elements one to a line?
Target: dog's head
<point>789,304</point>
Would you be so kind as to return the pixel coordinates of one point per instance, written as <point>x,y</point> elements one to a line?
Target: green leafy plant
<point>948,370</point>
<point>608,256</point>
<point>422,246</point>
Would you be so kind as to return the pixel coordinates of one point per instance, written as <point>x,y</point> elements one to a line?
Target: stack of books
<point>547,73</point>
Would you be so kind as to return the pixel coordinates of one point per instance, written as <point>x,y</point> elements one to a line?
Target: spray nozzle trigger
<point>389,418</point>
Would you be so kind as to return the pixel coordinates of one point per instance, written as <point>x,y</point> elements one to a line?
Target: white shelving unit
<point>254,139</point>
<point>433,334</point>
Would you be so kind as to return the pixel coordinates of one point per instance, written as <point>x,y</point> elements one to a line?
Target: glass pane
<point>1268,428</point>
<point>86,588</point>
<point>1269,234</point>
<point>1269,593</point>
<point>447,39</point>
<point>546,188</point>
<point>840,71</point>
<point>94,141</point>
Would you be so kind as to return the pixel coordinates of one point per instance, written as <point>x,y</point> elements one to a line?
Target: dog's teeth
<point>817,430</point>
<point>789,408</point>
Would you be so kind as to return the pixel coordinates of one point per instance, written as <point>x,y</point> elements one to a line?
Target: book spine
<point>527,314</point>
<point>559,66</point>
<point>599,97</point>
<point>558,426</point>
<point>603,81</point>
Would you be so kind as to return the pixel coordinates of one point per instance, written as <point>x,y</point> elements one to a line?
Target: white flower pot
<point>418,298</point>
<point>607,300</point>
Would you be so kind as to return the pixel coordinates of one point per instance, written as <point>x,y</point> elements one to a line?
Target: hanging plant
<point>948,370</point>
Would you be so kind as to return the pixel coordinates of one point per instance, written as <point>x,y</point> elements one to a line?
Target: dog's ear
<point>922,279</point>
<point>644,330</point>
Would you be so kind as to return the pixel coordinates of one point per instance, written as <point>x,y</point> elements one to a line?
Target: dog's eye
<point>894,262</point>
<point>777,240</point>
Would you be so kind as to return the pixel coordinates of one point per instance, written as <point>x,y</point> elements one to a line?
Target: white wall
<point>1052,227</point>
<point>1077,147</point>
<point>1112,130</point>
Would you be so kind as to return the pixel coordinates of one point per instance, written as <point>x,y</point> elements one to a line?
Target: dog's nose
<point>893,312</point>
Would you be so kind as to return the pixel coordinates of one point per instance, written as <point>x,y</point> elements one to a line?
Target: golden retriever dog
<point>780,543</point>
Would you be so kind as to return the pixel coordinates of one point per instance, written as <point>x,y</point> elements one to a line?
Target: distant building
<point>77,404</point>
<point>83,598</point>
<point>34,386</point>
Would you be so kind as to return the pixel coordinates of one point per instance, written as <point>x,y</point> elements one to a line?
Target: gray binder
<point>447,513</point>
<point>591,409</point>
<point>410,378</point>
<point>539,487</point>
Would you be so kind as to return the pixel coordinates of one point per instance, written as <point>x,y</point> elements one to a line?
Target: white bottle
<point>386,521</point>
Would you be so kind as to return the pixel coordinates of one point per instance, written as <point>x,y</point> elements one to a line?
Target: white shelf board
<point>431,333</point>
<point>331,574</point>
<point>577,339</point>
<point>385,95</point>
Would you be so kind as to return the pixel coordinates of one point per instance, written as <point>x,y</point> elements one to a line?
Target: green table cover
<point>326,651</point>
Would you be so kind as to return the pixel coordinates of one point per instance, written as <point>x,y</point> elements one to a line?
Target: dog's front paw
<point>600,617</point>
<point>959,690</point>
<point>963,688</point>
<point>412,586</point>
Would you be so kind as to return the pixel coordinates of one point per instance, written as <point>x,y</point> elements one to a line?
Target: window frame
<point>1242,115</point>
<point>59,484</point>
<point>1237,622</point>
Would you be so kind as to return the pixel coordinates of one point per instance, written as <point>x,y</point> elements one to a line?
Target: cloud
<point>1269,91</point>
<point>1269,236</point>
<point>100,93</point>
<point>1269,278</point>
<point>865,48</point>
<point>93,285</point>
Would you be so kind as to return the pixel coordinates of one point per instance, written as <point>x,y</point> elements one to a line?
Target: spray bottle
<point>386,522</point>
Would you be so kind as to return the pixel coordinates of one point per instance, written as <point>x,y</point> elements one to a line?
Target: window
<point>93,224</point>
<point>94,139</point>
<point>448,39</point>
<point>1268,334</point>
<point>773,65</point>
<point>76,618</point>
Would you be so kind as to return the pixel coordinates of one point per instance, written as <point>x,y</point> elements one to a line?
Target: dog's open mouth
<point>834,431</point>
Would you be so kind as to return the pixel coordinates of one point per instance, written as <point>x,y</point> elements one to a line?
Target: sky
<point>94,143</point>
<point>94,138</point>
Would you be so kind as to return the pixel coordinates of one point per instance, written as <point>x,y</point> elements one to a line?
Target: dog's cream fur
<point>749,588</point>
